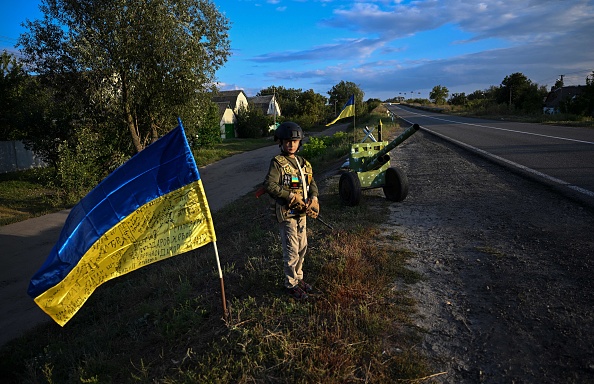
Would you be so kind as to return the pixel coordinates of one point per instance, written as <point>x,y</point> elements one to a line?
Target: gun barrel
<point>383,156</point>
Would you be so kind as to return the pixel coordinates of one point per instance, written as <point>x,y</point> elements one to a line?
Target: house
<point>268,104</point>
<point>235,99</point>
<point>227,120</point>
<point>229,103</point>
<point>553,100</point>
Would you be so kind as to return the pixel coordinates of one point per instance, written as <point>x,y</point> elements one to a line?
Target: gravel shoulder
<point>507,294</point>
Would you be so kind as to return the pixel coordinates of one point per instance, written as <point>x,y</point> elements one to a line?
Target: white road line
<point>511,163</point>
<point>501,129</point>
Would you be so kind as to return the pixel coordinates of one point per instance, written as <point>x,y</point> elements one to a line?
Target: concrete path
<point>24,246</point>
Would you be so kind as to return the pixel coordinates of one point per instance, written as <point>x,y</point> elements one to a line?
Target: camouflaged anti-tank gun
<point>370,168</point>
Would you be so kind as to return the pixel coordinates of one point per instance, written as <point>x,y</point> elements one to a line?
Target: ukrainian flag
<point>151,208</point>
<point>347,111</point>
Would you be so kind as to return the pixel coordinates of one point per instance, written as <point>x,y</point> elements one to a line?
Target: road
<point>24,246</point>
<point>563,157</point>
<point>507,265</point>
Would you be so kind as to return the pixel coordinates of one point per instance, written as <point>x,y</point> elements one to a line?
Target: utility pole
<point>274,104</point>
<point>510,95</point>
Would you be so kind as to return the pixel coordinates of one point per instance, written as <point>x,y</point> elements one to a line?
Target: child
<point>290,182</point>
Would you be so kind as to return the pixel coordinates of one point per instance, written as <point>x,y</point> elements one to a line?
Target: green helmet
<point>288,131</point>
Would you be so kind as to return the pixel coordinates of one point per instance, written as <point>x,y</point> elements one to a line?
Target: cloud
<point>513,20</point>
<point>346,49</point>
<point>401,46</point>
<point>541,62</point>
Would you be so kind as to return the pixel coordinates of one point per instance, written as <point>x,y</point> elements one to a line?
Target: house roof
<point>228,96</point>
<point>223,105</point>
<point>562,93</point>
<point>262,101</point>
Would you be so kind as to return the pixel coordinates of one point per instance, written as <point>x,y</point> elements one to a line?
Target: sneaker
<point>306,287</point>
<point>297,293</point>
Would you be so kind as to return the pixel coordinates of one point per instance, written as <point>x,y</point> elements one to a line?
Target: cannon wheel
<point>349,188</point>
<point>396,188</point>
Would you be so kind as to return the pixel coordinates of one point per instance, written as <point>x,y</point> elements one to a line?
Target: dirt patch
<point>508,294</point>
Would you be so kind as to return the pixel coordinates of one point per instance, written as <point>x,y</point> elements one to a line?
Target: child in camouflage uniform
<point>290,182</point>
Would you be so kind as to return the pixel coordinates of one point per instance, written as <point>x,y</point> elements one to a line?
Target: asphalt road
<point>562,157</point>
<point>24,246</point>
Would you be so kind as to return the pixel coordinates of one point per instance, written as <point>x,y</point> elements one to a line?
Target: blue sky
<point>389,48</point>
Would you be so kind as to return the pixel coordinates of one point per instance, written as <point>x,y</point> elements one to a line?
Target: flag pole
<point>221,279</point>
<point>354,113</point>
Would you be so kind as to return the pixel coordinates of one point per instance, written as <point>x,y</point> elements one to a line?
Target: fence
<point>14,157</point>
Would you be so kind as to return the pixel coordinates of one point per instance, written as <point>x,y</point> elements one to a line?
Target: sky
<point>389,48</point>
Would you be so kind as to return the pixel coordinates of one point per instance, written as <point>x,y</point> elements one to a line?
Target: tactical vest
<point>291,181</point>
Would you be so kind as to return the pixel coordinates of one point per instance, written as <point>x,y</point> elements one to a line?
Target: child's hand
<point>297,203</point>
<point>313,208</point>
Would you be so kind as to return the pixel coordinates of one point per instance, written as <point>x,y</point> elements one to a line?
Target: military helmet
<point>288,131</point>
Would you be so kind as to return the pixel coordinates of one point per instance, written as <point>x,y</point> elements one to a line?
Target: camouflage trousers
<point>293,232</point>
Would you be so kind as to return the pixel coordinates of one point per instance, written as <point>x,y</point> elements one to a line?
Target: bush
<point>327,147</point>
<point>252,123</point>
<point>79,167</point>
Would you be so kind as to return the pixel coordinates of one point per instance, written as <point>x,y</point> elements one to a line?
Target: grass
<point>30,193</point>
<point>165,324</point>
<point>228,147</point>
<point>26,194</point>
<point>501,112</point>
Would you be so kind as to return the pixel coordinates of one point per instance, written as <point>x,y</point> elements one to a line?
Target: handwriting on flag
<point>164,227</point>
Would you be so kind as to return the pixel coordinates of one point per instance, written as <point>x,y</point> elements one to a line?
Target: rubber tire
<point>396,188</point>
<point>349,188</point>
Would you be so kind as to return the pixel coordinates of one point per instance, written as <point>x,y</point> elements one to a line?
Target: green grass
<point>228,147</point>
<point>31,193</point>
<point>500,112</point>
<point>164,323</point>
<point>26,194</point>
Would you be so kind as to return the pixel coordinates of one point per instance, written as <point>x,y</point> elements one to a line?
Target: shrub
<point>79,167</point>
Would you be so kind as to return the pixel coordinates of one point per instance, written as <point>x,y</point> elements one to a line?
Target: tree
<point>583,103</point>
<point>373,104</point>
<point>208,129</point>
<point>12,82</point>
<point>313,107</point>
<point>519,92</point>
<point>252,122</point>
<point>141,62</point>
<point>306,108</point>
<point>340,94</point>
<point>439,94</point>
<point>286,98</point>
<point>458,99</point>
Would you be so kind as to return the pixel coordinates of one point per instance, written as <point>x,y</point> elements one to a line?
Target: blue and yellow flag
<point>347,111</point>
<point>151,208</point>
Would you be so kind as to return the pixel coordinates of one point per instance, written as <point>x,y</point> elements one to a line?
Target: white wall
<point>14,157</point>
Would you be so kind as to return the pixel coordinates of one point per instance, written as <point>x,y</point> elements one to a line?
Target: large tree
<point>142,63</point>
<point>286,98</point>
<point>439,94</point>
<point>12,81</point>
<point>340,94</point>
<point>519,92</point>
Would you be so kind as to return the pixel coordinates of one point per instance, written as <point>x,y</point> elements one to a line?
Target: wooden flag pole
<point>221,279</point>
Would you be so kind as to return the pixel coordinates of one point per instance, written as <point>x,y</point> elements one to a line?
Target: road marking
<point>500,129</point>
<point>534,172</point>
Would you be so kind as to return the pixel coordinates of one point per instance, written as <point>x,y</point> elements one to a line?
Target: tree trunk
<point>133,131</point>
<point>129,118</point>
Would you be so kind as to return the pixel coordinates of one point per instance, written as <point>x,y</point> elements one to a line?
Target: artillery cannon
<point>370,168</point>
